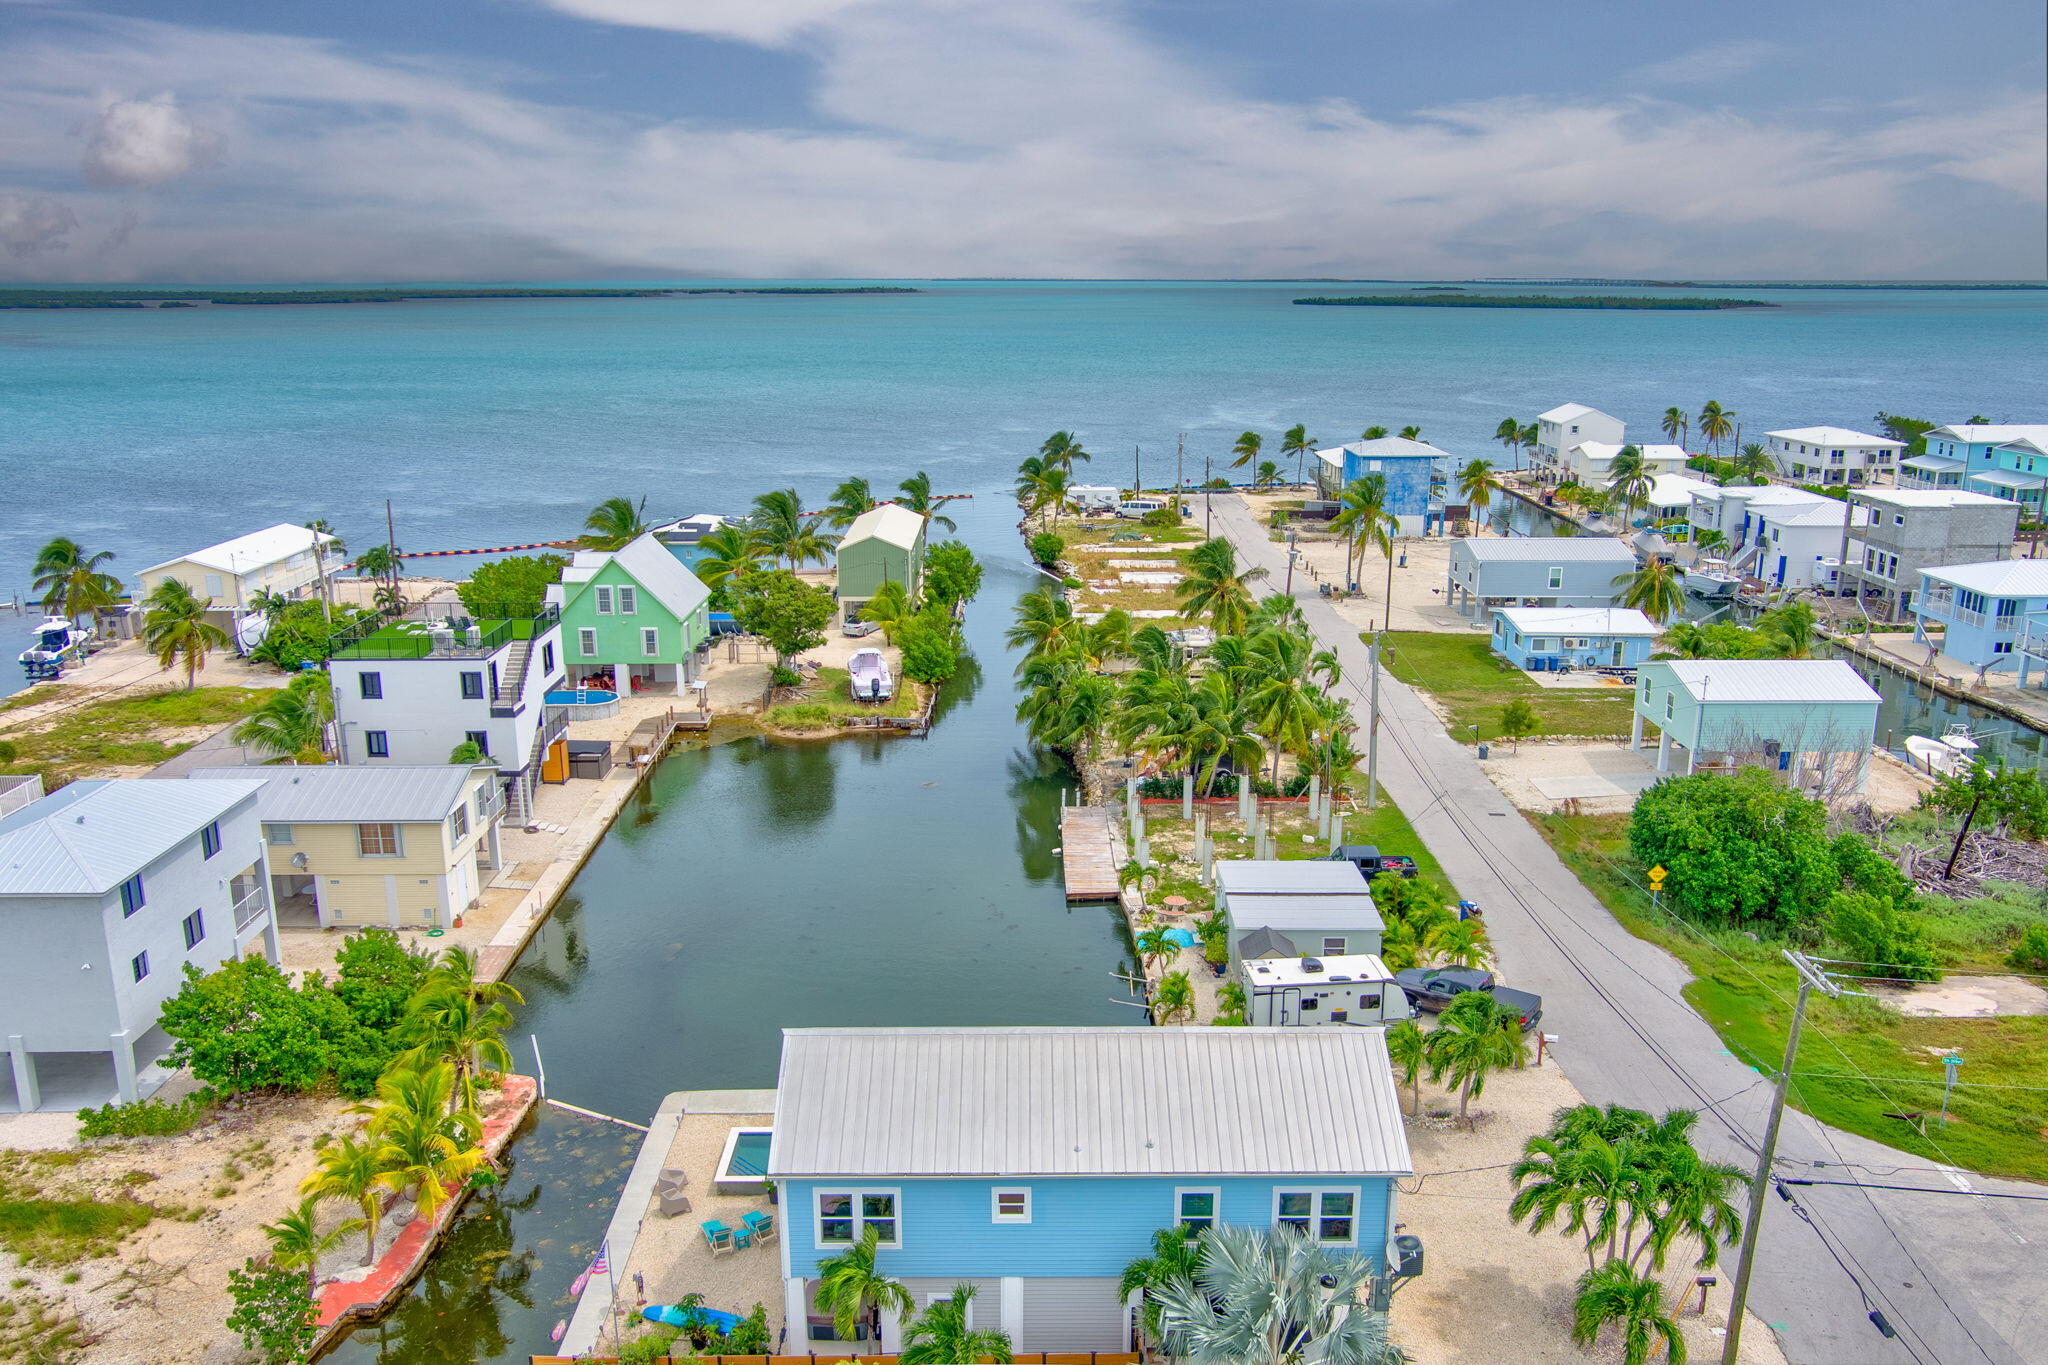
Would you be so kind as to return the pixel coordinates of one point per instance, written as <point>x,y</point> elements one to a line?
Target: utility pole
<point>1206,532</point>
<point>1372,733</point>
<point>1180,481</point>
<point>1137,479</point>
<point>1292,555</point>
<point>1810,976</point>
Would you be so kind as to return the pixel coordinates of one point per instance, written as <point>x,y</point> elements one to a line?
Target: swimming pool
<point>586,703</point>
<point>743,1167</point>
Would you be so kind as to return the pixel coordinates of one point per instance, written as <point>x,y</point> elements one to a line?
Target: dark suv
<point>1372,862</point>
<point>1431,988</point>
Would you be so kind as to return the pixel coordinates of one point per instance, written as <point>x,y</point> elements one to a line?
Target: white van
<point>1133,508</point>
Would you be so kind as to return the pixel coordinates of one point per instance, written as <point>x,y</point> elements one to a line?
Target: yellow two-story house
<point>405,847</point>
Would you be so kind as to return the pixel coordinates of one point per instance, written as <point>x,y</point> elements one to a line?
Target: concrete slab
<point>1593,786</point>
<point>1965,997</point>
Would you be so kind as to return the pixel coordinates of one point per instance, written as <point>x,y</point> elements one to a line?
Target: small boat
<point>1950,754</point>
<point>59,644</point>
<point>675,1315</point>
<point>868,676</point>
<point>1711,578</point>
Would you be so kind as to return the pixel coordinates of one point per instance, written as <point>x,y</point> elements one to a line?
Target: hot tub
<point>584,703</point>
<point>743,1166</point>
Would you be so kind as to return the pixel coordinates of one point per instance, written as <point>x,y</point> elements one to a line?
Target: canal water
<point>755,886</point>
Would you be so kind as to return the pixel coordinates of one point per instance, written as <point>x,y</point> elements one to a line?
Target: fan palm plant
<point>1173,998</point>
<point>1216,588</point>
<point>1477,483</point>
<point>1408,1048</point>
<point>849,501</point>
<point>853,1289</point>
<point>296,1242</point>
<point>941,1335</point>
<point>1655,590</point>
<point>1793,629</point>
<point>1614,1294</point>
<point>1272,1297</point>
<point>1675,425</point>
<point>1475,1036</point>
<point>1297,442</point>
<point>1752,462</point>
<point>915,493</point>
<point>72,582</point>
<point>613,524</point>
<point>1246,449</point>
<point>292,722</point>
<point>1156,945</point>
<point>352,1169</point>
<point>175,628</point>
<point>1460,943</point>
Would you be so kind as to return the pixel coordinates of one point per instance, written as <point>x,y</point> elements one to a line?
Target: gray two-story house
<point>1911,529</point>
<point>107,890</point>
<point>1537,571</point>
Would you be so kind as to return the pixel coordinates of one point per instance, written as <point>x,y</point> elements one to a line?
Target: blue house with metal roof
<point>1537,571</point>
<point>1036,1163</point>
<point>1985,613</point>
<point>1417,475</point>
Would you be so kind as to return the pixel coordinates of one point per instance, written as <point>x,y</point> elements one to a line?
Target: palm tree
<point>730,553</point>
<point>614,524</point>
<point>915,493</point>
<point>1174,998</point>
<point>1613,1293</point>
<point>1752,462</point>
<point>1043,620</point>
<point>1046,488</point>
<point>1061,450</point>
<point>423,1146</point>
<point>1675,425</point>
<point>889,608</point>
<point>1708,540</point>
<point>1532,436</point>
<point>174,627</point>
<point>1716,423</point>
<point>71,580</point>
<point>849,501</point>
<point>1459,942</point>
<point>1269,473</point>
<point>454,970</point>
<point>1628,479</point>
<point>1411,433</point>
<point>383,563</point>
<point>1655,590</point>
<point>296,1242</point>
<point>325,543</point>
<point>853,1289</point>
<point>292,723</point>
<point>1408,1046</point>
<point>1687,640</point>
<point>1695,1200</point>
<point>445,1023</point>
<point>1373,434</point>
<point>1475,1036</point>
<point>1246,449</point>
<point>941,1336</point>
<point>1363,520</point>
<point>351,1169</point>
<point>1509,433</point>
<point>1157,945</point>
<point>787,531</point>
<point>1792,628</point>
<point>1175,1255</point>
<point>1216,588</point>
<point>1283,709</point>
<point>1297,442</point>
<point>1477,483</point>
<point>1272,1297</point>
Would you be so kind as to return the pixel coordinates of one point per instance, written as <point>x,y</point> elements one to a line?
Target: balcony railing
<point>441,634</point>
<point>251,908</point>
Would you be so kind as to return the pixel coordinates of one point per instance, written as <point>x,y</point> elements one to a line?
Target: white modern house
<point>279,559</point>
<point>1799,545</point>
<point>1833,455</point>
<point>1811,719</point>
<point>1569,425</point>
<point>107,890</point>
<point>1593,461</point>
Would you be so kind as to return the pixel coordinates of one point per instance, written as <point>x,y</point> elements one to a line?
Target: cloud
<point>31,224</point>
<point>144,143</point>
<point>768,22</point>
<point>1714,62</point>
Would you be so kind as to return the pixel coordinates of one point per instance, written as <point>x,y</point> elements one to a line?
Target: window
<point>1670,705</point>
<point>2001,647</point>
<point>650,641</point>
<point>604,601</point>
<point>472,686</point>
<point>213,585</point>
<point>138,965</point>
<point>547,659</point>
<point>1328,1216</point>
<point>483,801</point>
<point>377,743</point>
<point>458,824</point>
<point>209,840</point>
<point>1009,1204</point>
<point>1333,947</point>
<point>371,685</point>
<point>379,841</point>
<point>480,738</point>
<point>629,601</point>
<point>277,834</point>
<point>846,1216</point>
<point>1556,576</point>
<point>1540,644</point>
<point>1195,1209</point>
<point>586,641</point>
<point>131,895</point>
<point>195,928</point>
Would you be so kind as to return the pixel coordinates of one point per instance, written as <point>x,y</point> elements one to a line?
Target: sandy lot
<point>1604,776</point>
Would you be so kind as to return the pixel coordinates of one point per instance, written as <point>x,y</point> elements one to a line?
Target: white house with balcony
<point>1833,455</point>
<point>108,889</point>
<point>1569,425</point>
<point>279,559</point>
<point>1593,461</point>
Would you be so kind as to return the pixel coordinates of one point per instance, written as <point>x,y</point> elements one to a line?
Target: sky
<point>219,141</point>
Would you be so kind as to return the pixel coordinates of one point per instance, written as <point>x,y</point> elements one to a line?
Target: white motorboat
<point>868,676</point>
<point>1951,753</point>
<point>59,644</point>
<point>1712,578</point>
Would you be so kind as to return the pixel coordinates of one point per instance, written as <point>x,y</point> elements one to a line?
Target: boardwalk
<point>1084,841</point>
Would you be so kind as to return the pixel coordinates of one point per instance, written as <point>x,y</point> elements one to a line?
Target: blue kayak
<point>668,1314</point>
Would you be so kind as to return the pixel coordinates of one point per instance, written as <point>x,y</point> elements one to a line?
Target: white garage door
<point>1074,1315</point>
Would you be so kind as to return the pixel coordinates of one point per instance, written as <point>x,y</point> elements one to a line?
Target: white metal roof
<point>1548,549</point>
<point>1763,494</point>
<point>1935,462</point>
<point>1674,490</point>
<point>337,794</point>
<point>1928,497</point>
<point>1826,512</point>
<point>1652,454</point>
<point>1330,914</point>
<point>1290,877</point>
<point>651,565</point>
<point>1289,971</point>
<point>1569,411</point>
<point>2008,478</point>
<point>1715,681</point>
<point>1388,448</point>
<point>1836,436</point>
<point>889,522</point>
<point>1998,433</point>
<point>696,521</point>
<point>1578,620</point>
<point>89,837</point>
<point>1085,1102</point>
<point>1998,578</point>
<point>253,551</point>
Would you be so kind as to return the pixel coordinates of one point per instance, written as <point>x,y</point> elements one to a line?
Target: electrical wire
<point>1916,1189</point>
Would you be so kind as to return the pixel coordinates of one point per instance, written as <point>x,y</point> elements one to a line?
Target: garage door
<point>1074,1315</point>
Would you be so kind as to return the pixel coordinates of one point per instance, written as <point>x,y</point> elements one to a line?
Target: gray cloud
<point>31,224</point>
<point>144,143</point>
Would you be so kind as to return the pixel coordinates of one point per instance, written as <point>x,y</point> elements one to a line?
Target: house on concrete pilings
<point>1810,719</point>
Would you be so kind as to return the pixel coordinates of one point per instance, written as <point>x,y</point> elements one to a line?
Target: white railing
<point>250,908</point>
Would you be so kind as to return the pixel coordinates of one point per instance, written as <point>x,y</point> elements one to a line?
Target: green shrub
<point>2030,954</point>
<point>273,1313</point>
<point>650,1346</point>
<point>1881,938</point>
<point>779,676</point>
<point>148,1118</point>
<point>509,586</point>
<point>1160,516</point>
<point>951,573</point>
<point>1740,850</point>
<point>929,654</point>
<point>1046,547</point>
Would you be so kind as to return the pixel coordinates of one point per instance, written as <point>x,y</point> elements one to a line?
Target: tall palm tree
<point>1675,425</point>
<point>1410,433</point>
<point>1477,483</point>
<point>1063,449</point>
<point>1628,479</point>
<point>730,553</point>
<point>296,1242</point>
<point>1509,433</point>
<point>852,498</point>
<point>71,580</point>
<point>915,493</point>
<point>1175,1255</point>
<point>1297,442</point>
<point>941,1336</point>
<point>1365,523</point>
<point>175,628</point>
<point>1285,709</point>
<point>1273,1297</point>
<point>1216,588</point>
<point>1247,449</point>
<point>446,1024</point>
<point>1532,436</point>
<point>1408,1048</point>
<point>1655,590</point>
<point>853,1289</point>
<point>1475,1036</point>
<point>1043,621</point>
<point>1613,1293</point>
<point>1373,434</point>
<point>1716,423</point>
<point>787,531</point>
<point>1066,705</point>
<point>455,969</point>
<point>350,1168</point>
<point>1045,488</point>
<point>292,723</point>
<point>1752,462</point>
<point>326,544</point>
<point>614,524</point>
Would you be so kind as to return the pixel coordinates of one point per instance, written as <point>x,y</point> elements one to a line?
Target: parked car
<point>1372,862</point>
<point>855,630</point>
<point>1431,988</point>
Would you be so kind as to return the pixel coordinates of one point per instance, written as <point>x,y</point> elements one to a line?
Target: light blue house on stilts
<point>1544,639</point>
<point>1990,616</point>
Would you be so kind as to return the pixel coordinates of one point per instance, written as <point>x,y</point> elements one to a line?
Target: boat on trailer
<point>1712,578</point>
<point>60,643</point>
<point>868,676</point>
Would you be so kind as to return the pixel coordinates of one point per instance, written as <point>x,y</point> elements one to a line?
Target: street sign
<point>1657,876</point>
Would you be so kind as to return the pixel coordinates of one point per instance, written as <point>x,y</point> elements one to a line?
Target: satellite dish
<point>299,861</point>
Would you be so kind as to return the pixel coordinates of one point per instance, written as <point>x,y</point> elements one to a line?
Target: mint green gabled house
<point>633,619</point>
<point>884,544</point>
<point>1812,720</point>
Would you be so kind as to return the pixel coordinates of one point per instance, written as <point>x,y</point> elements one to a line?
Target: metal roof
<point>1836,436</point>
<point>1261,943</point>
<point>1826,512</point>
<point>253,551</point>
<point>1085,1102</point>
<point>1607,450</point>
<point>89,837</point>
<point>1941,463</point>
<point>1548,549</point>
<point>1289,877</point>
<point>2008,478</point>
<point>650,564</point>
<point>333,794</point>
<point>1928,497</point>
<point>1995,432</point>
<point>1578,620</point>
<point>1565,412</point>
<point>898,526</point>
<point>1390,448</point>
<point>1767,680</point>
<point>1306,914</point>
<point>1998,578</point>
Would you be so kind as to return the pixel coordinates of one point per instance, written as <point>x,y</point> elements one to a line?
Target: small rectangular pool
<point>743,1167</point>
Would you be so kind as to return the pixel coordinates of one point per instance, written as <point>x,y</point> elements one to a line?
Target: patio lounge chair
<point>672,1202</point>
<point>718,1236</point>
<point>762,1225</point>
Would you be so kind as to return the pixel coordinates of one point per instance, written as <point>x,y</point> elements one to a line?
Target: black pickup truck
<point>1372,862</point>
<point>1431,988</point>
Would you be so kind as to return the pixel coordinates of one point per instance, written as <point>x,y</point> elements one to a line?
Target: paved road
<point>1960,1279</point>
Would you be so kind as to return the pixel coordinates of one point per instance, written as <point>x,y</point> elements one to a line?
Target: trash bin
<point>1482,751</point>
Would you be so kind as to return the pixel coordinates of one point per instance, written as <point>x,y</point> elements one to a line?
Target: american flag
<point>602,1263</point>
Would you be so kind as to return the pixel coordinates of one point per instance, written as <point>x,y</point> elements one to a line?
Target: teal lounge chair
<point>718,1236</point>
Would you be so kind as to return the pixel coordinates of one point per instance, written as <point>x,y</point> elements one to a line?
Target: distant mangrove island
<point>1426,298</point>
<point>190,298</point>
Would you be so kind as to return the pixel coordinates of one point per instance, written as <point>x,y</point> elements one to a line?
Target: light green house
<point>1811,719</point>
<point>632,619</point>
<point>885,544</point>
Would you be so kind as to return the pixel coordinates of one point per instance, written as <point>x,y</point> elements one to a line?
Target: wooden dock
<point>1085,856</point>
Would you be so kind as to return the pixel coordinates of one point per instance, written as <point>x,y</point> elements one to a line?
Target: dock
<point>1085,856</point>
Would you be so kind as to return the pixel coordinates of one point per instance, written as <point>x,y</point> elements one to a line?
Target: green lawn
<point>1173,839</point>
<point>125,731</point>
<point>1743,988</point>
<point>826,702</point>
<point>1473,684</point>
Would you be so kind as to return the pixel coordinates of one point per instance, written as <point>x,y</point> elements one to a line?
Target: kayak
<point>670,1315</point>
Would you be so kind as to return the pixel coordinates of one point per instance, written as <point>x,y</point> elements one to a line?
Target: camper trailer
<point>1094,499</point>
<point>1356,989</point>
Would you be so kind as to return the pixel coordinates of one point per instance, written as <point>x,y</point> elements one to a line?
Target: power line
<point>1917,1189</point>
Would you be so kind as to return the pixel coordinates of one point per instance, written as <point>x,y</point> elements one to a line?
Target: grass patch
<point>126,731</point>
<point>36,1328</point>
<point>825,702</point>
<point>1173,841</point>
<point>1470,681</point>
<point>1745,990</point>
<point>46,1230</point>
<point>37,695</point>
